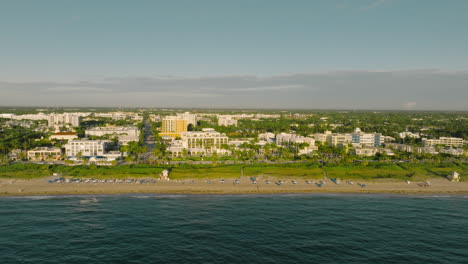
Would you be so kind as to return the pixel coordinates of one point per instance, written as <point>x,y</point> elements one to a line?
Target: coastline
<point>38,187</point>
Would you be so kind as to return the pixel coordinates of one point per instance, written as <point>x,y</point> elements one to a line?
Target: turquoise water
<point>234,229</point>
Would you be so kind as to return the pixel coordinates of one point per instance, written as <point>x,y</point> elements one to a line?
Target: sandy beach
<point>229,186</point>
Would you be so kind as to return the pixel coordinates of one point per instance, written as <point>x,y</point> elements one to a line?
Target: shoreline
<point>41,187</point>
<point>173,195</point>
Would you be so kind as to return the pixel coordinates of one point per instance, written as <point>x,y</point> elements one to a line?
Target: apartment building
<point>172,126</point>
<point>339,140</point>
<point>446,141</point>
<point>208,138</point>
<point>322,137</point>
<point>203,142</point>
<point>366,139</point>
<point>63,120</point>
<point>86,147</point>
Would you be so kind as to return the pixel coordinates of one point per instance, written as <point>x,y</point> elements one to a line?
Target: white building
<point>339,140</point>
<point>372,151</point>
<point>113,130</point>
<point>155,118</point>
<point>44,153</point>
<point>86,148</point>
<point>267,115</point>
<point>285,138</point>
<point>8,116</point>
<point>268,137</point>
<point>446,141</point>
<point>409,134</point>
<point>38,116</point>
<point>191,118</point>
<point>322,137</point>
<point>124,134</point>
<point>226,120</point>
<point>118,115</point>
<point>333,139</point>
<point>368,152</point>
<point>208,138</point>
<point>452,151</point>
<point>414,149</point>
<point>203,142</point>
<point>63,120</point>
<point>366,139</point>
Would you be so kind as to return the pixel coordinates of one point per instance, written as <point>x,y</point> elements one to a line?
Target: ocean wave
<point>89,201</point>
<point>34,197</point>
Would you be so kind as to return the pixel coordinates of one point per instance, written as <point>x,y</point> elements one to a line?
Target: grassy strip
<point>409,171</point>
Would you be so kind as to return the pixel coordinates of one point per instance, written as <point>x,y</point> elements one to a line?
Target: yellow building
<point>173,127</point>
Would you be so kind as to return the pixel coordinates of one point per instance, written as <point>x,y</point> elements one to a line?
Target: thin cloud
<point>432,89</point>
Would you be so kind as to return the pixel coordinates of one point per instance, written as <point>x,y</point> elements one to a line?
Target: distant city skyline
<point>337,54</point>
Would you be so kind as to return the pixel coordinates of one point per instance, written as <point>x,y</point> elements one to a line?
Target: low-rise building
<point>268,136</point>
<point>112,130</point>
<point>44,153</point>
<point>366,151</point>
<point>452,151</point>
<point>226,120</point>
<point>124,134</point>
<point>409,134</point>
<point>413,149</point>
<point>285,138</point>
<point>372,151</point>
<point>16,154</point>
<point>446,141</point>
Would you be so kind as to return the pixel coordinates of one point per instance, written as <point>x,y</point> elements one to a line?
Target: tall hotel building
<point>173,127</point>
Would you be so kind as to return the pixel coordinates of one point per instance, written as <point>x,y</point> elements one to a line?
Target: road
<point>148,141</point>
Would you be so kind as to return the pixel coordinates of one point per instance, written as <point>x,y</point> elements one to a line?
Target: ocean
<point>289,228</point>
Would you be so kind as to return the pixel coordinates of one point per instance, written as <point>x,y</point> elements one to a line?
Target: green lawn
<point>367,172</point>
<point>416,171</point>
<point>206,173</point>
<point>284,171</point>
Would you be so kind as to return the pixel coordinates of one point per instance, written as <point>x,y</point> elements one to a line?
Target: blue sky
<point>66,43</point>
